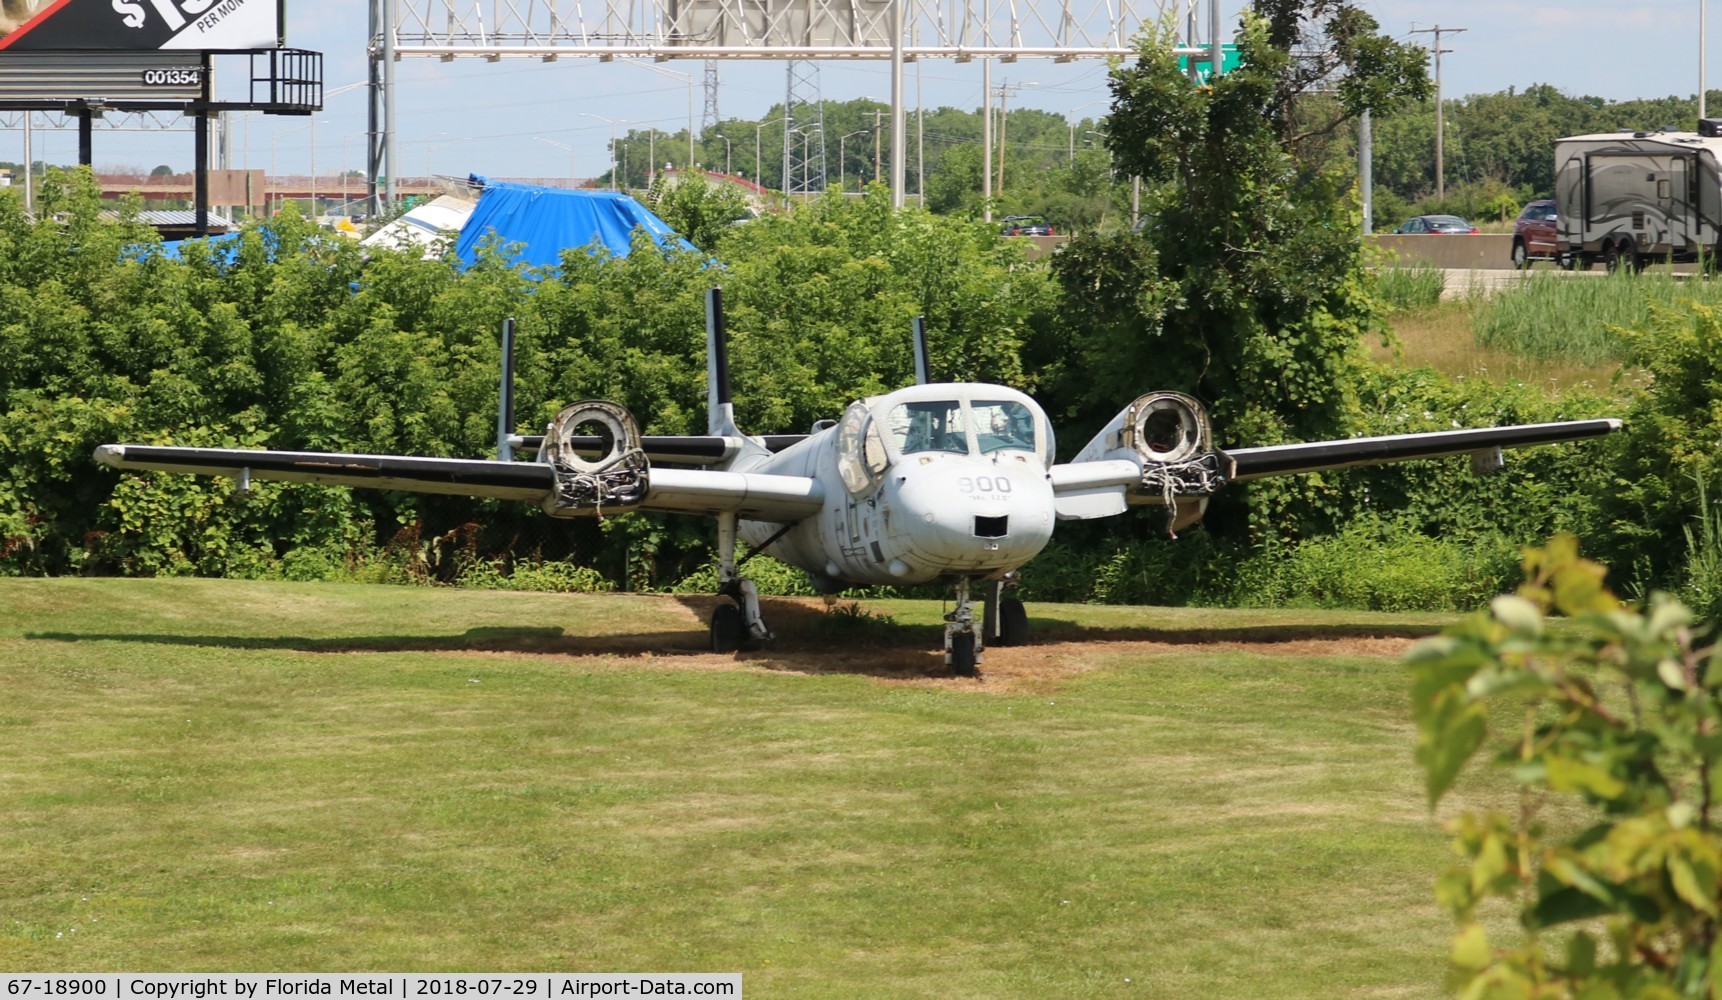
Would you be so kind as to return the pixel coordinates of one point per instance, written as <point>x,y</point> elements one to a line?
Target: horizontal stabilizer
<point>1315,456</point>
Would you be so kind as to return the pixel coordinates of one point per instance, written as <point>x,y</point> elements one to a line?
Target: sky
<point>524,118</point>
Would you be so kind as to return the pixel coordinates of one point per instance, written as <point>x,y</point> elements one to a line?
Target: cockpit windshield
<point>963,427</point>
<point>1003,425</point>
<point>933,425</point>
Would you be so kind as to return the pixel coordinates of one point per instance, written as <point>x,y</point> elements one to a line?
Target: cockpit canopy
<point>952,419</point>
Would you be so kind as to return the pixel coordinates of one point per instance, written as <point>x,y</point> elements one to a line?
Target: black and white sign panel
<point>138,25</point>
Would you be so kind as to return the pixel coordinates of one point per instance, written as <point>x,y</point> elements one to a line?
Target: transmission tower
<point>803,131</point>
<point>709,120</point>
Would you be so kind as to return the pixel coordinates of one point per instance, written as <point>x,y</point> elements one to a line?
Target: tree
<point>1253,298</point>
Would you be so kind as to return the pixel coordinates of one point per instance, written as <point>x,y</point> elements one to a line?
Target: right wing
<point>757,496</point>
<point>1111,475</point>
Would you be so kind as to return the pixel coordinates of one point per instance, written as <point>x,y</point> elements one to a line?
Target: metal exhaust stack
<point>720,412</point>
<point>923,361</point>
<point>505,398</point>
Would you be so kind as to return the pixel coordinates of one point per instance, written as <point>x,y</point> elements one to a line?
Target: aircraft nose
<point>978,517</point>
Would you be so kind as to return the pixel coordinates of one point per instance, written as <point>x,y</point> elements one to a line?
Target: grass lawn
<point>217,775</point>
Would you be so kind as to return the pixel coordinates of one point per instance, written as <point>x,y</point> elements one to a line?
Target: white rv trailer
<point>1632,198</point>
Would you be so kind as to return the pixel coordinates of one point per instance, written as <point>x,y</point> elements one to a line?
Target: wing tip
<point>111,454</point>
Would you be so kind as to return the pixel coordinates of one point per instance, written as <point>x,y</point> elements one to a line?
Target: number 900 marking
<point>983,484</point>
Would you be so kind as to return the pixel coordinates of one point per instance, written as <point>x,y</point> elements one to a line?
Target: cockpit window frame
<point>968,398</point>
<point>1025,418</point>
<point>862,458</point>
<point>944,436</point>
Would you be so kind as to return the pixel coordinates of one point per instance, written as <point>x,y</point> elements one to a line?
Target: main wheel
<point>1013,622</point>
<point>963,654</point>
<point>1521,257</point>
<point>728,629</point>
<point>1621,256</point>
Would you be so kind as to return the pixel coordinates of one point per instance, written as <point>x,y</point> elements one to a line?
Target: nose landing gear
<point>963,651</point>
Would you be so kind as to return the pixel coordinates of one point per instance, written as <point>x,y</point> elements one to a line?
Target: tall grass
<point>1577,318</point>
<point>1410,288</point>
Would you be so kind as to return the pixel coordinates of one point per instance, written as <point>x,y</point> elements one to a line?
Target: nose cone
<point>975,516</point>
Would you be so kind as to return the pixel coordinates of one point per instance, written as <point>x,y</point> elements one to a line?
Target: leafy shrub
<point>1643,863</point>
<point>1670,448</point>
<point>547,577</point>
<point>773,577</point>
<point>1381,566</point>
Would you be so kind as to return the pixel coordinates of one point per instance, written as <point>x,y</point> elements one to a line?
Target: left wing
<point>687,491</point>
<point>1315,456</point>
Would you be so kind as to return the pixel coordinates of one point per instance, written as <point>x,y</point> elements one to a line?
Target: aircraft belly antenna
<point>923,363</point>
<point>720,412</point>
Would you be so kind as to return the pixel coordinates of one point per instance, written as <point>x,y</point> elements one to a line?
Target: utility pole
<point>987,138</point>
<point>1366,170</point>
<point>1005,90</point>
<point>1701,34</point>
<point>878,114</point>
<point>899,147</point>
<point>1440,133</point>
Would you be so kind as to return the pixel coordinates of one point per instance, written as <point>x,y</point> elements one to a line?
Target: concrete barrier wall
<point>1481,252</point>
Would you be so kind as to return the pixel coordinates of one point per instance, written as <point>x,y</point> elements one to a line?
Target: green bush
<point>1610,858</point>
<point>1381,566</point>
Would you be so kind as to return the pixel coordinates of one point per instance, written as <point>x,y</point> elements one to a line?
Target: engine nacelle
<point>613,482</point>
<point>1166,428</point>
<point>1168,435</point>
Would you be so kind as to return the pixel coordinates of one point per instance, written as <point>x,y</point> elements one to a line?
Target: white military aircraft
<point>938,482</point>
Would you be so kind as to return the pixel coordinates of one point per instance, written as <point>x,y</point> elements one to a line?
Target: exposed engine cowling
<point>614,482</point>
<point>1171,434</point>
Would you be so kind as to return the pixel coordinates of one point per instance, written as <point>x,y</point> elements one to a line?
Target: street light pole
<point>759,178</point>
<point>570,151</point>
<point>612,123</point>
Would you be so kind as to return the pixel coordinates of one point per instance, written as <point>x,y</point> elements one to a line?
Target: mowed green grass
<point>218,775</point>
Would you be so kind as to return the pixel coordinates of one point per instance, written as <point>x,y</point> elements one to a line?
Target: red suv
<point>1534,234</point>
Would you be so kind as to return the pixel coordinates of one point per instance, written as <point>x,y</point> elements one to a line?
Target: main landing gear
<point>1005,624</point>
<point>736,618</point>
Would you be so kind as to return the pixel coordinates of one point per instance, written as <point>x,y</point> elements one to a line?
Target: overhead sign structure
<point>1230,59</point>
<point>140,25</point>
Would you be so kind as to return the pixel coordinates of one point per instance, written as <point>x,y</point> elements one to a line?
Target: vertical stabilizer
<point>720,413</point>
<point>505,398</point>
<point>923,362</point>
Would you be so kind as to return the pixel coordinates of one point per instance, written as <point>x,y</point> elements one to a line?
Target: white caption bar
<point>396,985</point>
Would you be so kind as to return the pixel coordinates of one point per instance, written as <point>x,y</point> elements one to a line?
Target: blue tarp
<point>546,221</point>
<point>224,247</point>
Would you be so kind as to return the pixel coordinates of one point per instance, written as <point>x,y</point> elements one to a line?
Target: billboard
<point>138,25</point>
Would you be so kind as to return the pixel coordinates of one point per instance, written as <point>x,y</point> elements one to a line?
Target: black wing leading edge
<point>1315,456</point>
<point>453,476</point>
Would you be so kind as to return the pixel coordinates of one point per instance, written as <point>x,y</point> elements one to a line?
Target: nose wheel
<point>963,649</point>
